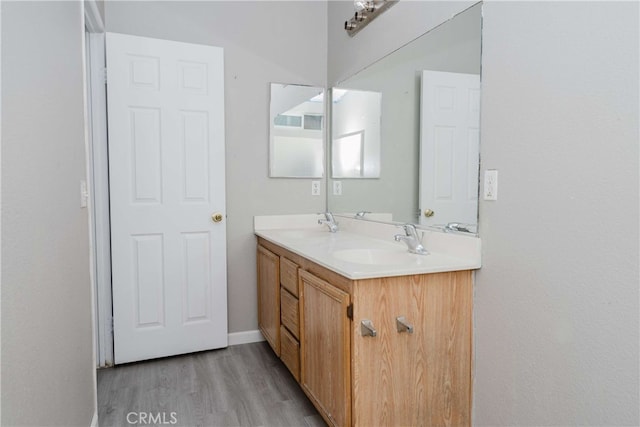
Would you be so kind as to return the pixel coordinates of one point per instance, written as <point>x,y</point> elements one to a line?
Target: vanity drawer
<point>289,275</point>
<point>289,315</point>
<point>290,352</point>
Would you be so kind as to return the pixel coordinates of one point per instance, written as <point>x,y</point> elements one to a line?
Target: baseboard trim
<point>245,337</point>
<point>94,420</point>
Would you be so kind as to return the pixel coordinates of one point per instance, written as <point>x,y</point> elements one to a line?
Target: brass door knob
<point>428,213</point>
<point>216,217</point>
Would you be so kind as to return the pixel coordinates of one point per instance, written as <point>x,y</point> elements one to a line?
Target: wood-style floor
<point>244,385</point>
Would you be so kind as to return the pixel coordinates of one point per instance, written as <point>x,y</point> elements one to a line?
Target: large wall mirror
<point>429,129</point>
<point>296,131</point>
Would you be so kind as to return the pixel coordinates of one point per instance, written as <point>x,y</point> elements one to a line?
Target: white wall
<point>263,42</point>
<point>557,298</point>
<point>556,306</point>
<point>48,374</point>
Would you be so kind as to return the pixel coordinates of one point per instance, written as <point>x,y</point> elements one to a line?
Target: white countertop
<point>391,258</point>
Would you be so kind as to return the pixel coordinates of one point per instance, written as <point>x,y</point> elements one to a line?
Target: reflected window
<point>288,121</point>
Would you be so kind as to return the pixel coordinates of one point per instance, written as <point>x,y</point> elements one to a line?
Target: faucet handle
<point>412,232</point>
<point>329,221</point>
<point>409,229</point>
<point>328,215</point>
<point>412,239</point>
<point>404,227</point>
<point>456,226</point>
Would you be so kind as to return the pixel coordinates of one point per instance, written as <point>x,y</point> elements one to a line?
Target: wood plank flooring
<point>244,385</point>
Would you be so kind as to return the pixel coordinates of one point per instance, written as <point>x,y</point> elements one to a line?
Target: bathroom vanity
<point>373,334</point>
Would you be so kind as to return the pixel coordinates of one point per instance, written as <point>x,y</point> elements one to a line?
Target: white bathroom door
<point>449,147</point>
<point>167,183</point>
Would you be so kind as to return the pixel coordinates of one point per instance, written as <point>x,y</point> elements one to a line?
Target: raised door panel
<point>413,379</point>
<point>269,297</point>
<point>325,348</point>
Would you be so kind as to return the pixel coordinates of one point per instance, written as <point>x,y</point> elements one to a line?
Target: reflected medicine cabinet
<point>355,127</point>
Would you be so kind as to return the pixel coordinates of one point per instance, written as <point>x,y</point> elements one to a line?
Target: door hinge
<point>350,311</point>
<point>104,74</point>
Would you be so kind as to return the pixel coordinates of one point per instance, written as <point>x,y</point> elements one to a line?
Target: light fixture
<point>365,12</point>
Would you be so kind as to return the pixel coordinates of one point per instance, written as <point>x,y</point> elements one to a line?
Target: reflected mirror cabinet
<point>402,134</point>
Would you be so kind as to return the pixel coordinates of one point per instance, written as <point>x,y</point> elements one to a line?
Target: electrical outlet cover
<point>337,188</point>
<point>491,184</point>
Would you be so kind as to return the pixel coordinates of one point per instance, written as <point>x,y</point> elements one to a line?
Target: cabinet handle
<point>402,325</point>
<point>367,329</point>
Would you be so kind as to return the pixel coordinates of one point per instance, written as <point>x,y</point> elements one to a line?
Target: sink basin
<point>377,256</point>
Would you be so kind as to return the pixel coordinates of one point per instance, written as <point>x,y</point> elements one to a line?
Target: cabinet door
<point>413,379</point>
<point>325,348</point>
<point>269,297</point>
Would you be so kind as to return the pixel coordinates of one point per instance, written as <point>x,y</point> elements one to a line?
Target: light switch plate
<point>491,184</point>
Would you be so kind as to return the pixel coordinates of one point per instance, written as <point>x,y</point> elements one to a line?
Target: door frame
<point>98,181</point>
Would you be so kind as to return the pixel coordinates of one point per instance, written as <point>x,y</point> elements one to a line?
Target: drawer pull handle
<point>367,329</point>
<point>402,325</point>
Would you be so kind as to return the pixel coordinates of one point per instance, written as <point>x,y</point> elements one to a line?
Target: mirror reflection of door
<point>449,147</point>
<point>296,148</point>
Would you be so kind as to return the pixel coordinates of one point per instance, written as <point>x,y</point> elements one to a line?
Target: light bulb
<point>360,5</point>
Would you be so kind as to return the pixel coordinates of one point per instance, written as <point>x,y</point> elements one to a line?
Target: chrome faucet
<point>361,214</point>
<point>329,221</point>
<point>411,239</point>
<point>455,226</point>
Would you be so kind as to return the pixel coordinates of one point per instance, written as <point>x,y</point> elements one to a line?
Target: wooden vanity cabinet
<point>420,377</point>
